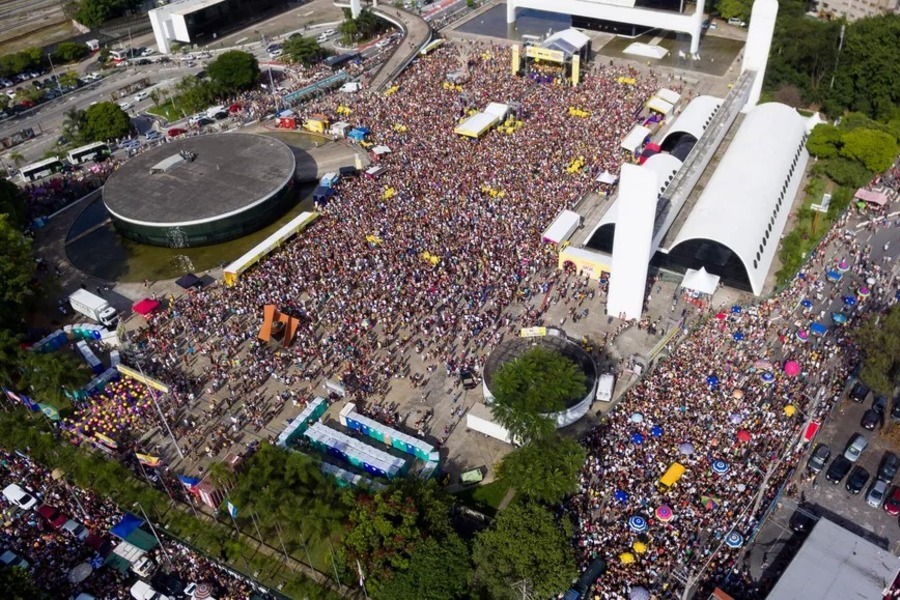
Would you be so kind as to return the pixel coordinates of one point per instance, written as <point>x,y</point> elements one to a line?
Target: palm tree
<point>17,158</point>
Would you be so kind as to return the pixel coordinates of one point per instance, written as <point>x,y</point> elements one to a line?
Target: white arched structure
<point>746,202</point>
<point>694,119</point>
<point>620,11</point>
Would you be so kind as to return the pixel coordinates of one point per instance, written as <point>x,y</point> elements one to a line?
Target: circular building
<point>201,190</point>
<point>556,341</point>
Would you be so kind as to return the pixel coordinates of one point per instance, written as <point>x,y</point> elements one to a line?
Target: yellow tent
<point>790,410</point>
<point>627,558</point>
<point>639,547</point>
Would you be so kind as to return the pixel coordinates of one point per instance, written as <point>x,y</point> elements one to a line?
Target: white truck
<point>605,387</point>
<point>94,307</point>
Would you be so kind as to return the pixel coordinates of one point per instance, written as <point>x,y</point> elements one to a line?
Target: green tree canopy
<point>17,584</point>
<point>12,202</point>
<point>525,542</point>
<point>303,50</point>
<point>386,528</point>
<point>824,141</point>
<point>875,149</point>
<point>879,338</point>
<point>16,271</point>
<point>104,121</point>
<point>545,470</point>
<point>438,570</point>
<point>538,382</point>
<point>70,52</point>
<point>96,12</point>
<point>843,171</point>
<point>234,70</point>
<point>739,9</point>
<point>46,375</point>
<point>12,64</point>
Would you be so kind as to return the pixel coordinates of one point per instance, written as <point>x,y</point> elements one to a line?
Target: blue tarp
<point>818,328</point>
<point>358,133</point>
<point>126,526</point>
<point>322,193</point>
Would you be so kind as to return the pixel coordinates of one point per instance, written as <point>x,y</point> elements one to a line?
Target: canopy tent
<point>381,150</point>
<point>635,138</point>
<point>358,134</point>
<point>659,105</point>
<point>865,195</point>
<point>562,227</point>
<point>129,530</point>
<point>497,110</point>
<point>670,96</point>
<point>607,177</point>
<point>145,306</point>
<point>188,281</point>
<point>570,41</point>
<point>476,125</point>
<point>700,281</point>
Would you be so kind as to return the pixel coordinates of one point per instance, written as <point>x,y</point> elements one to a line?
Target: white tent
<point>669,96</point>
<point>700,281</point>
<point>607,177</point>
<point>659,105</point>
<point>497,110</point>
<point>560,230</point>
<point>635,139</point>
<point>381,150</point>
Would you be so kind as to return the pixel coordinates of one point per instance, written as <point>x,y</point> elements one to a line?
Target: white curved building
<point>690,124</point>
<point>734,228</point>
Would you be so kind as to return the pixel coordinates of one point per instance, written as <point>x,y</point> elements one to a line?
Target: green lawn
<point>167,111</point>
<point>485,498</point>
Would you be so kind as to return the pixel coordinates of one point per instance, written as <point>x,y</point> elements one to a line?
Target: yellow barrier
<point>576,165</point>
<point>627,80</point>
<point>344,110</point>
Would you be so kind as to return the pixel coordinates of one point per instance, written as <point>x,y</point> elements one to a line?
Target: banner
<point>530,332</point>
<point>129,372</point>
<point>106,440</point>
<point>188,482</point>
<point>231,508</point>
<point>544,54</point>
<point>147,460</point>
<point>49,411</point>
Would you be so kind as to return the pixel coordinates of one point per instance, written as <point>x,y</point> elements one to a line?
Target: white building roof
<point>635,138</point>
<point>573,40</point>
<point>191,6</point>
<point>670,96</point>
<point>632,244</point>
<point>659,105</point>
<point>695,117</point>
<point>665,166</point>
<point>562,227</point>
<point>746,202</point>
<point>836,564</point>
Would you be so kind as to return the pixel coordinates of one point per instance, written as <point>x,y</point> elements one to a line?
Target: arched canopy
<point>691,123</point>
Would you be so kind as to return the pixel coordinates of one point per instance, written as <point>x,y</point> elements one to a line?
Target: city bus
<point>431,46</point>
<point>41,169</point>
<point>341,60</point>
<point>97,151</point>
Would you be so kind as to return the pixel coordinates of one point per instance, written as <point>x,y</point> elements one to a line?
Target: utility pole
<point>838,57</point>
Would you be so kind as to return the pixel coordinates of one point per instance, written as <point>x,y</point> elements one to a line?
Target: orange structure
<point>275,321</point>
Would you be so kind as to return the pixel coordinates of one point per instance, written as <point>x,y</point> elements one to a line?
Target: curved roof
<point>694,118</point>
<point>665,166</point>
<point>741,206</point>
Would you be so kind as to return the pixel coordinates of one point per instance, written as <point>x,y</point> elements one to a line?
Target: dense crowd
<point>53,552</point>
<point>728,405</point>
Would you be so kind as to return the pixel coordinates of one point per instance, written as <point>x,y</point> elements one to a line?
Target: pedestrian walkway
<point>416,34</point>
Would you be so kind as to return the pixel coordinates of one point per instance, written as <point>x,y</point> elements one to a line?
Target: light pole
<point>60,475</point>
<point>156,535</point>
<point>156,404</point>
<point>53,72</point>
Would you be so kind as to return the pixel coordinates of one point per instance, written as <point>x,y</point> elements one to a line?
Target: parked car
<point>818,459</point>
<point>888,468</point>
<point>892,504</point>
<point>55,517</point>
<point>141,96</point>
<point>176,131</point>
<point>76,529</point>
<point>153,135</point>
<point>857,480</point>
<point>857,445</point>
<point>870,419</point>
<point>803,518</point>
<point>879,404</point>
<point>877,492</point>
<point>467,379</point>
<point>838,469</point>
<point>124,105</point>
<point>895,409</point>
<point>11,559</point>
<point>19,497</point>
<point>859,392</point>
<point>736,22</point>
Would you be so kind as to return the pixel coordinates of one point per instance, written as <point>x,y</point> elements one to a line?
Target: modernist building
<point>200,21</point>
<point>202,190</point>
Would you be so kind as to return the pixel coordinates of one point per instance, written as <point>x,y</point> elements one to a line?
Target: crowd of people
<point>53,552</point>
<point>729,405</point>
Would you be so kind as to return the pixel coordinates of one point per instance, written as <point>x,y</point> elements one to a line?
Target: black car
<point>879,404</point>
<point>888,468</point>
<point>857,480</point>
<point>870,419</point>
<point>895,409</point>
<point>859,392</point>
<point>803,518</point>
<point>467,379</point>
<point>818,459</point>
<point>838,469</point>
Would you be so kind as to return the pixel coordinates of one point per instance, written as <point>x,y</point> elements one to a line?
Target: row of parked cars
<point>51,87</point>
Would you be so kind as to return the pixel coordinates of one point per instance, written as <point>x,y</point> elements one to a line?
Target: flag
<point>29,403</point>
<point>147,460</point>
<point>49,411</point>
<point>231,508</point>
<point>362,578</point>
<point>188,482</point>
<point>106,440</point>
<point>12,395</point>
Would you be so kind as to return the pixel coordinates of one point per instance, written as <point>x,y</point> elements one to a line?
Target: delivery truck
<point>94,307</point>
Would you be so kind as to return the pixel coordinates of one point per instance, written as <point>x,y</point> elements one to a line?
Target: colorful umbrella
<point>736,418</point>
<point>637,417</point>
<point>744,436</point>
<point>864,292</point>
<point>686,448</point>
<point>639,547</point>
<point>639,593</point>
<point>627,558</point>
<point>833,276</point>
<point>849,300</point>
<point>664,514</point>
<point>738,336</point>
<point>710,502</point>
<point>720,466</point>
<point>792,368</point>
<point>802,335</point>
<point>637,438</point>
<point>656,431</point>
<point>738,394</point>
<point>637,524</point>
<point>720,316</point>
<point>807,303</point>
<point>736,309</point>
<point>621,496</point>
<point>839,318</point>
<point>768,378</point>
<point>790,410</point>
<point>843,266</point>
<point>734,540</point>
<point>818,329</point>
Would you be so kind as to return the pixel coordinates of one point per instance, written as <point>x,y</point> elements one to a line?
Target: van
<point>737,22</point>
<point>671,476</point>
<point>141,590</point>
<point>587,579</point>
<point>605,387</point>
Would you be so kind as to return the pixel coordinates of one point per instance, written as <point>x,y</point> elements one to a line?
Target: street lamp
<point>60,475</point>
<point>156,535</point>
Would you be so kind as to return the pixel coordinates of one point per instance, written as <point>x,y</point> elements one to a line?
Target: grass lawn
<point>167,111</point>
<point>485,498</point>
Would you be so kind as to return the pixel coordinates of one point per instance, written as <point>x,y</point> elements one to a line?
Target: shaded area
<point>716,53</point>
<point>492,22</point>
<point>715,257</point>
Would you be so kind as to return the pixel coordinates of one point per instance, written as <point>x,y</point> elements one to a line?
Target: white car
<point>19,497</point>
<point>140,96</point>
<point>124,105</point>
<point>276,53</point>
<point>76,529</point>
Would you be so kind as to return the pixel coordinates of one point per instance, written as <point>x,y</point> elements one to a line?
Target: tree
<point>824,141</point>
<point>73,124</point>
<point>538,382</point>
<point>879,338</point>
<point>876,150</point>
<point>386,528</point>
<point>303,50</point>
<point>545,470</point>
<point>104,121</point>
<point>16,271</point>
<point>734,9</point>
<point>47,374</point>
<point>68,52</point>
<point>844,171</point>
<point>438,570</point>
<point>17,584</point>
<point>234,70</point>
<point>96,12</point>
<point>4,101</point>
<point>12,202</point>
<point>68,79</point>
<point>525,543</point>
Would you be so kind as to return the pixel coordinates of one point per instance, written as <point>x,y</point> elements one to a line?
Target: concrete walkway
<point>507,499</point>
